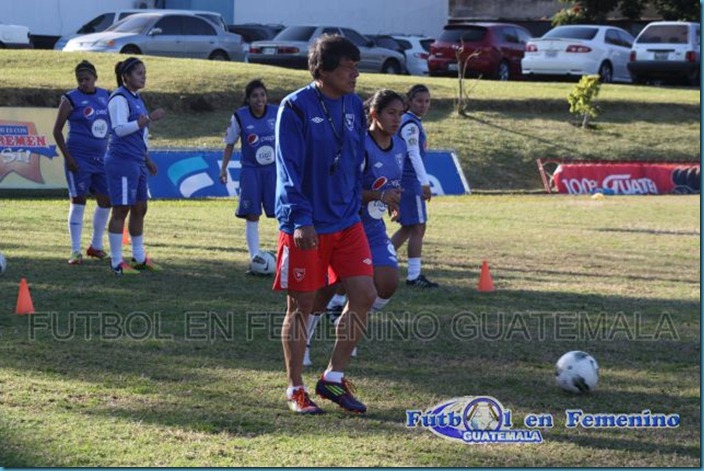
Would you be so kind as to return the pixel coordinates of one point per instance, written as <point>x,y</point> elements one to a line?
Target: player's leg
<point>250,207</point>
<point>78,187</point>
<point>140,260</point>
<point>101,214</point>
<point>319,307</point>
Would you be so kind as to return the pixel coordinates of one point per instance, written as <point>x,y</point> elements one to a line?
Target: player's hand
<point>151,166</point>
<point>305,238</point>
<point>395,214</point>
<point>71,164</point>
<point>426,192</point>
<point>157,114</point>
<point>391,197</point>
<point>223,176</point>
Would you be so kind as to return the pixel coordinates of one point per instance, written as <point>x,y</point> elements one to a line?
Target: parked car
<point>289,48</point>
<point>385,40</point>
<point>14,37</point>
<point>251,32</point>
<point>666,50</point>
<point>576,50</point>
<point>416,49</point>
<point>104,21</point>
<point>500,48</point>
<point>184,34</point>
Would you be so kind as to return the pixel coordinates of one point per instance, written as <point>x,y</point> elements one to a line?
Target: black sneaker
<point>340,394</point>
<point>422,282</point>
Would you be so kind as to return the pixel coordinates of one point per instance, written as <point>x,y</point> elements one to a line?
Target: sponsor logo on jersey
<point>88,112</point>
<point>379,183</point>
<point>317,120</point>
<point>252,139</point>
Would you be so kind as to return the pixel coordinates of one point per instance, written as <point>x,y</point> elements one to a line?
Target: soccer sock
<point>379,304</point>
<point>337,301</point>
<point>334,376</point>
<point>138,248</point>
<point>413,268</point>
<point>115,241</point>
<point>292,389</point>
<point>75,225</point>
<point>100,220</point>
<point>312,324</point>
<point>252,235</point>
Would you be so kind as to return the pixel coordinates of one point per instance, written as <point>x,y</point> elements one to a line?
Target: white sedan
<point>577,50</point>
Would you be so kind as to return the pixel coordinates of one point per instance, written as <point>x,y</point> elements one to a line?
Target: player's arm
<point>232,135</point>
<point>411,134</point>
<point>65,109</point>
<point>119,117</point>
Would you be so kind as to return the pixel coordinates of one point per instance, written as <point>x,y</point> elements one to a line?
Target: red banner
<point>627,178</point>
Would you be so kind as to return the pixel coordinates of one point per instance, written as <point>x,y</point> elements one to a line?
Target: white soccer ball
<point>263,263</point>
<point>3,263</point>
<point>577,372</point>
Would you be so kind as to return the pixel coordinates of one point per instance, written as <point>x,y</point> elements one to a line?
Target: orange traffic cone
<point>24,300</point>
<point>486,284</point>
<point>125,236</point>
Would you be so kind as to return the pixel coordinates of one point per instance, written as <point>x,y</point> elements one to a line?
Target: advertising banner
<point>29,158</point>
<point>623,178</point>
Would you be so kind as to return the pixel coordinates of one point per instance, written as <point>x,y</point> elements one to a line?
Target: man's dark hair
<point>327,52</point>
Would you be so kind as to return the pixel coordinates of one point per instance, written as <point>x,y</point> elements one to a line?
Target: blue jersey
<point>382,171</point>
<point>88,124</point>
<point>318,176</point>
<point>414,136</point>
<point>257,136</point>
<point>132,146</point>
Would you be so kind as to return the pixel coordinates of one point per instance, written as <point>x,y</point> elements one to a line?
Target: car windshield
<point>296,33</point>
<point>467,34</point>
<point>572,32</point>
<point>132,24</point>
<point>671,34</point>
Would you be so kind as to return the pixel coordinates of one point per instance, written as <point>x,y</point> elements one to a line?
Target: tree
<point>685,10</point>
<point>597,11</point>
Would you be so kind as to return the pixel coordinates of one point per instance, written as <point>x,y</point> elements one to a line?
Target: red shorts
<point>346,252</point>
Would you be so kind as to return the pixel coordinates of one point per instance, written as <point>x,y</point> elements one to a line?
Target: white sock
<point>100,220</point>
<point>251,232</point>
<point>334,376</point>
<point>379,304</point>
<point>115,241</point>
<point>138,248</point>
<point>291,389</point>
<point>337,301</point>
<point>75,225</point>
<point>413,268</point>
<point>312,324</point>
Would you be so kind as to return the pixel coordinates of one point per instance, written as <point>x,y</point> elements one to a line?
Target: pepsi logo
<point>379,182</point>
<point>252,139</point>
<point>88,111</point>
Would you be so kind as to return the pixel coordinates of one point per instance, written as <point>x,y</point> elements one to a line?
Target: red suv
<point>500,46</point>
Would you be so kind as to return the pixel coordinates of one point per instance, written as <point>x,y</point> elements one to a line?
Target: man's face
<point>343,79</point>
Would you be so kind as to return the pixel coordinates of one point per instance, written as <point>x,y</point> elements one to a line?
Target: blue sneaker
<point>340,394</point>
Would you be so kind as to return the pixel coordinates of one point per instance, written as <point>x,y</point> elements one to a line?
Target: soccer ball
<point>577,372</point>
<point>3,263</point>
<point>263,263</point>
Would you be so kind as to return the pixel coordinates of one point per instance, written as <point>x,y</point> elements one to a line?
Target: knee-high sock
<point>100,220</point>
<point>75,225</point>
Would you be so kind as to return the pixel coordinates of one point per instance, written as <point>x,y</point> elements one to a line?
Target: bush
<point>582,96</point>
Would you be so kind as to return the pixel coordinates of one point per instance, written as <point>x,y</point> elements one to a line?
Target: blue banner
<point>195,173</point>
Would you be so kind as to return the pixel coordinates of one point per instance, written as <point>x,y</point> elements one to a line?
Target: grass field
<point>510,124</point>
<point>80,393</point>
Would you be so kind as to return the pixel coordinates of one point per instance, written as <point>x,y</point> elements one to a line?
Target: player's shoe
<point>306,357</point>
<point>75,259</point>
<point>340,394</point>
<point>100,254</point>
<point>124,269</point>
<point>422,282</point>
<point>300,403</point>
<point>147,265</point>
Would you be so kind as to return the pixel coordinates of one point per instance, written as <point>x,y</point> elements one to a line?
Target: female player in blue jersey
<point>86,110</point>
<point>127,164</point>
<point>416,186</point>
<point>254,125</point>
<point>381,191</point>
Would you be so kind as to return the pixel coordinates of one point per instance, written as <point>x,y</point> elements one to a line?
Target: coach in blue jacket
<point>320,131</point>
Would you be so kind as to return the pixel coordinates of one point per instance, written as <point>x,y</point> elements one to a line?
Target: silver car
<point>164,34</point>
<point>289,48</point>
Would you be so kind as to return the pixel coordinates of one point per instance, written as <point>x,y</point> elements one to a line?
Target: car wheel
<point>391,67</point>
<point>130,50</point>
<point>503,73</point>
<point>606,74</point>
<point>218,56</point>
